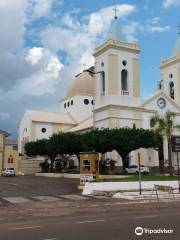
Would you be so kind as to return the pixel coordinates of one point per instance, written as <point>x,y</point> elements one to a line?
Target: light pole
<point>139,172</point>
<point>178,171</point>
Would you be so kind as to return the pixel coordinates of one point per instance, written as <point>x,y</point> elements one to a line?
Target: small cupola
<point>115,32</point>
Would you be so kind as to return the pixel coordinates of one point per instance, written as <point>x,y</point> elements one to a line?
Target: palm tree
<point>165,126</point>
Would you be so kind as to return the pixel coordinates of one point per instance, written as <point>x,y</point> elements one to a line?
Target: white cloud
<point>158,29</point>
<point>69,22</point>
<point>155,20</point>
<point>170,3</point>
<point>12,21</point>
<point>45,79</point>
<point>130,30</point>
<point>78,40</point>
<point>153,26</point>
<point>39,8</point>
<point>54,66</point>
<point>99,21</point>
<point>35,54</point>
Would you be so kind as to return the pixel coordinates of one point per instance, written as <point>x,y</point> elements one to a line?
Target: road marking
<point>24,228</point>
<point>146,216</point>
<point>50,239</point>
<point>17,200</point>
<point>30,209</point>
<point>91,221</point>
<point>14,184</point>
<point>46,198</point>
<point>73,197</point>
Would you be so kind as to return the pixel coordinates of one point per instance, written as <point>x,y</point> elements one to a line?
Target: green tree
<point>165,126</point>
<point>43,147</point>
<point>125,140</point>
<point>67,143</point>
<point>98,140</point>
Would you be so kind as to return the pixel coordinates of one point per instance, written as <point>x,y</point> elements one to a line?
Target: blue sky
<point>44,43</point>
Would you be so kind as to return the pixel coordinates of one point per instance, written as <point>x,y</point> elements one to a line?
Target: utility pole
<point>139,165</point>
<point>178,171</point>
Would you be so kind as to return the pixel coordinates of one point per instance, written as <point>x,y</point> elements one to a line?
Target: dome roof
<point>83,84</point>
<point>115,31</point>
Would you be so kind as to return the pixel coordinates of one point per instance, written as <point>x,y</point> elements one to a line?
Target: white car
<point>8,172</point>
<point>135,169</point>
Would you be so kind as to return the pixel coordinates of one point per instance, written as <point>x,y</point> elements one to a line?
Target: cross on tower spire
<point>115,12</point>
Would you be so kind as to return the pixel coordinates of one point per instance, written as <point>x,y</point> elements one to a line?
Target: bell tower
<point>170,73</point>
<point>117,77</point>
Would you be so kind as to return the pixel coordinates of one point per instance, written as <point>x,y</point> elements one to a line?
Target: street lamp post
<point>178,171</point>
<point>139,165</point>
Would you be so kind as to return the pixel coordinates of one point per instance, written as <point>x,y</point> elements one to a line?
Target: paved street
<point>28,186</point>
<point>29,189</point>
<point>65,214</point>
<point>88,220</point>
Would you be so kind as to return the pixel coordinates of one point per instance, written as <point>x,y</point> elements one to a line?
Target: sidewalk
<point>147,195</point>
<point>89,188</point>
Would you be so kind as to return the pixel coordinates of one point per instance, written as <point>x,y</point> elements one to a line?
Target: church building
<point>107,95</point>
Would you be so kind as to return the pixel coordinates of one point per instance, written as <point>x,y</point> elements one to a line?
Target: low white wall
<point>113,176</point>
<point>124,186</point>
<point>71,175</point>
<point>61,175</point>
<point>77,176</point>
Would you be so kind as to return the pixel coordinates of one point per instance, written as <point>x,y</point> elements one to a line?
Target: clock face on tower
<point>161,102</point>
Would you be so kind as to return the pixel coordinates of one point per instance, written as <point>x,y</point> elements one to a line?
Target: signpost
<point>162,188</point>
<point>175,142</point>
<point>139,165</point>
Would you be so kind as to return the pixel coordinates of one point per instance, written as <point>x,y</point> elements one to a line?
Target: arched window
<point>103,83</point>
<point>171,89</point>
<point>124,80</point>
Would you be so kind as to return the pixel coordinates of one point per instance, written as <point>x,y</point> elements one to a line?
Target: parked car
<point>135,169</point>
<point>8,172</point>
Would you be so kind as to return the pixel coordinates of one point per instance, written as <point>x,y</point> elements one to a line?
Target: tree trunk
<point>78,157</point>
<point>52,163</point>
<point>170,158</point>
<point>123,157</point>
<point>161,159</point>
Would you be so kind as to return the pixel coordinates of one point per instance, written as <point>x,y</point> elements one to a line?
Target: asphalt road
<point>93,220</point>
<point>28,186</point>
<point>87,219</point>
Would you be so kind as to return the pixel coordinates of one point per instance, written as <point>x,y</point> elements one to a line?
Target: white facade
<point>42,125</point>
<point>102,64</point>
<point>80,107</point>
<point>24,132</point>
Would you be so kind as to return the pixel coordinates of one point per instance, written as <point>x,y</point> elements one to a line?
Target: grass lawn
<point>134,178</point>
